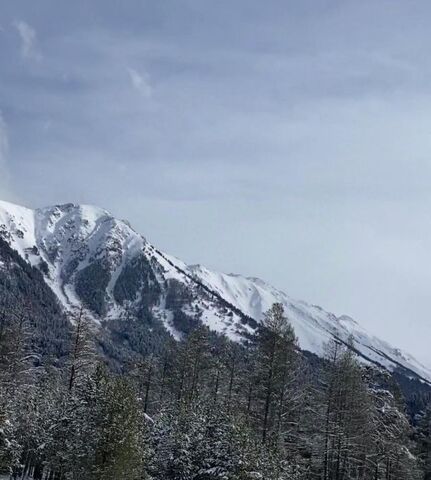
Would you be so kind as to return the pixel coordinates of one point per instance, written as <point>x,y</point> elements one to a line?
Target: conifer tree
<point>423,437</point>
<point>276,356</point>
<point>82,348</point>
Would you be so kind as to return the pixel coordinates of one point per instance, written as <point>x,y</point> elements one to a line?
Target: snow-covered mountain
<point>91,259</point>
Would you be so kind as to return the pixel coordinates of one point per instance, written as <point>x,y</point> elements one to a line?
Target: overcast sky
<point>289,140</point>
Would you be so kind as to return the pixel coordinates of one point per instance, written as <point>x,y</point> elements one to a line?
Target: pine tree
<point>17,378</point>
<point>173,438</point>
<point>145,373</point>
<point>192,361</point>
<point>17,358</point>
<point>392,449</point>
<point>346,416</point>
<point>276,357</point>
<point>82,348</point>
<point>423,438</point>
<point>120,449</point>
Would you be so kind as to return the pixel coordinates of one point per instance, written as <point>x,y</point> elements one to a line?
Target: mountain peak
<point>91,259</point>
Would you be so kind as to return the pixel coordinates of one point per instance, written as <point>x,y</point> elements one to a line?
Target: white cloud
<point>141,82</point>
<point>28,38</point>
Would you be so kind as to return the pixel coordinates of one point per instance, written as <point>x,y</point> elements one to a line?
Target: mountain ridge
<point>90,258</point>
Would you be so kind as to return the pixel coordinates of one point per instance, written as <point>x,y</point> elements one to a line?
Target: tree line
<point>204,408</point>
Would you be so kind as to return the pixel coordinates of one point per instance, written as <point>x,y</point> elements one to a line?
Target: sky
<point>289,140</point>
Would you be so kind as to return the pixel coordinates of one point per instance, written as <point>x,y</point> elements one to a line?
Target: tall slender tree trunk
<point>268,395</point>
<point>75,351</point>
<point>327,420</point>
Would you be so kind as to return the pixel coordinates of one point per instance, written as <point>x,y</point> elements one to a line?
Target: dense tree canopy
<point>201,409</point>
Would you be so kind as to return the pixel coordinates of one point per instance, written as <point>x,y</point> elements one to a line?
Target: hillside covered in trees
<point>203,408</point>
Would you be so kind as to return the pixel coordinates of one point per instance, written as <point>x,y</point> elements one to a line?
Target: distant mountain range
<point>90,259</point>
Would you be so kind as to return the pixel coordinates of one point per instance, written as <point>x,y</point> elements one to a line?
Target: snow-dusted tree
<point>204,443</point>
<point>392,450</point>
<point>193,359</point>
<point>346,416</point>
<point>173,437</point>
<point>97,430</point>
<point>423,438</point>
<point>276,373</point>
<point>10,448</point>
<point>17,376</point>
<point>363,433</point>
<point>145,372</point>
<point>120,449</point>
<point>223,450</point>
<point>82,349</point>
<point>16,355</point>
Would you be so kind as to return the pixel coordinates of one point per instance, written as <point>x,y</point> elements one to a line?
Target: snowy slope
<point>313,325</point>
<point>86,255</point>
